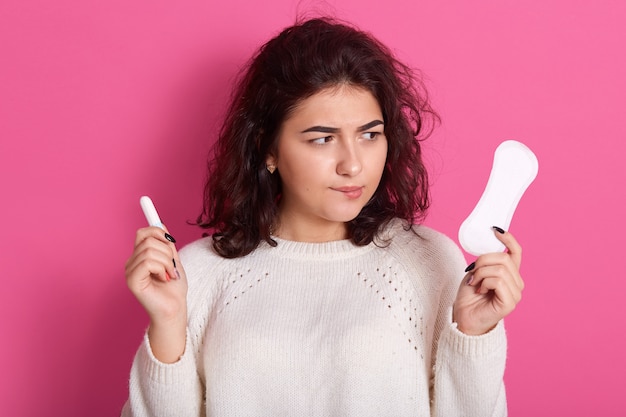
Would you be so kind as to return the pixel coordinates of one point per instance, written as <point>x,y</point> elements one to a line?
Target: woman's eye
<point>371,135</point>
<point>321,141</point>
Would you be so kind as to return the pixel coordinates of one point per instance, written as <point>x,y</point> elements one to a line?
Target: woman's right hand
<point>155,275</point>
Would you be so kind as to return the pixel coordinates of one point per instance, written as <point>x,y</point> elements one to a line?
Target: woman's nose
<point>349,161</point>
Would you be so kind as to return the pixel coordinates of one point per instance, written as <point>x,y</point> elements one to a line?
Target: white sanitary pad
<point>515,167</point>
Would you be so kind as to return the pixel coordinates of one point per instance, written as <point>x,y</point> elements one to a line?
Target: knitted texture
<point>325,329</point>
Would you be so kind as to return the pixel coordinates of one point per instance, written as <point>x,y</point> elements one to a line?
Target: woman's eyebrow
<point>326,129</point>
<point>370,125</point>
<point>322,129</point>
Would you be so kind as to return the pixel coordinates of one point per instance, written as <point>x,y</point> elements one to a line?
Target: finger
<point>503,270</point>
<point>504,298</point>
<point>156,250</point>
<point>155,232</point>
<point>144,273</point>
<point>161,254</point>
<point>500,273</point>
<point>513,247</point>
<point>176,264</point>
<point>505,267</point>
<point>163,236</point>
<point>154,242</point>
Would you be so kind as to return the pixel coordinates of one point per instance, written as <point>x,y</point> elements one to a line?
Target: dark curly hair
<point>241,196</point>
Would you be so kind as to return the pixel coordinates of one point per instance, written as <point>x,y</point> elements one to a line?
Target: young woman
<point>317,293</point>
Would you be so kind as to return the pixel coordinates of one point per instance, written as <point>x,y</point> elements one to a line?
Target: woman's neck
<point>303,230</point>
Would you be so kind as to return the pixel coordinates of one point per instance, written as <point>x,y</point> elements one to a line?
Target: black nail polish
<point>170,238</point>
<point>470,267</point>
<point>499,230</point>
<point>174,262</point>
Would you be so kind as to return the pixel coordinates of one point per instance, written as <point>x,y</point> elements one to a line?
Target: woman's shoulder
<point>199,250</point>
<point>399,232</point>
<point>422,244</point>
<point>200,260</point>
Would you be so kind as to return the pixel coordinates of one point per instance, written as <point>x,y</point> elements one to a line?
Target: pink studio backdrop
<point>101,102</point>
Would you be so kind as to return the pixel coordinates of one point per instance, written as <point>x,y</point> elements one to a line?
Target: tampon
<point>150,212</point>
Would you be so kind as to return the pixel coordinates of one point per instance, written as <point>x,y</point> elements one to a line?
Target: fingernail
<point>470,267</point>
<point>171,238</point>
<point>499,230</point>
<point>176,269</point>
<point>470,280</point>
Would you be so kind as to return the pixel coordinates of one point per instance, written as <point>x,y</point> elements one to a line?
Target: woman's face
<point>331,153</point>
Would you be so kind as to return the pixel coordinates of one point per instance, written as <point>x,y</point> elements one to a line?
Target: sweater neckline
<point>336,249</point>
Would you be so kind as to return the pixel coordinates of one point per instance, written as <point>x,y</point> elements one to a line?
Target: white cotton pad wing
<point>514,168</point>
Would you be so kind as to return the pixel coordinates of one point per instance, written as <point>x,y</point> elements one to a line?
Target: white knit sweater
<point>325,329</point>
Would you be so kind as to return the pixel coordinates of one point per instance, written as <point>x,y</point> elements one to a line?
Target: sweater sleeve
<point>177,389</point>
<point>468,370</point>
<point>469,373</point>
<point>159,389</point>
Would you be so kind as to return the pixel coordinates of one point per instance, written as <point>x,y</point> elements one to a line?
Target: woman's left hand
<point>491,289</point>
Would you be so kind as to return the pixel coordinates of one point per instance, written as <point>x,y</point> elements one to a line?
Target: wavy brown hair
<point>241,197</point>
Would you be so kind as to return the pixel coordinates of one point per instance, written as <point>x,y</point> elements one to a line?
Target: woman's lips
<point>350,192</point>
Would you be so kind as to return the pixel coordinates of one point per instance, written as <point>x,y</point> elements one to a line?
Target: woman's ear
<point>270,163</point>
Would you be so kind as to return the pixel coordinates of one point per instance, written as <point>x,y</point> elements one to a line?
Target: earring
<point>271,168</point>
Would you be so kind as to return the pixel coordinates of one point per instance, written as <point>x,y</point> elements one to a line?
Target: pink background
<point>101,102</point>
